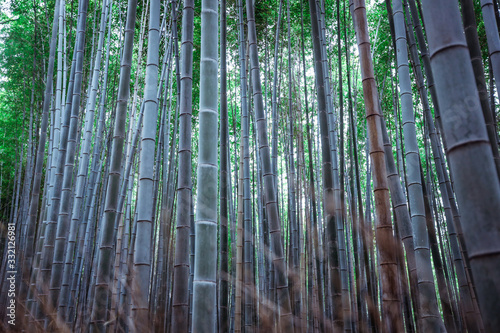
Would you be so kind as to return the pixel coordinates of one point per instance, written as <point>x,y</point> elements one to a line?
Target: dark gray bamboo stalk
<point>247,214</point>
<point>274,101</point>
<point>465,293</point>
<point>359,227</point>
<point>446,305</point>
<point>405,227</point>
<point>269,188</point>
<point>56,121</point>
<point>312,189</point>
<point>61,197</point>
<point>471,36</point>
<point>144,206</point>
<point>294,262</point>
<point>491,28</point>
<point>205,261</point>
<point>58,270</point>
<point>469,151</point>
<point>39,161</point>
<point>224,174</point>
<point>180,297</point>
<point>384,234</point>
<point>331,218</point>
<point>72,270</point>
<point>429,312</point>
<point>239,249</point>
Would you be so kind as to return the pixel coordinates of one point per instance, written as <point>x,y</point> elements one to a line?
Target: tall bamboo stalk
<point>429,312</point>
<point>331,216</point>
<point>205,261</point>
<point>145,208</point>
<point>224,174</point>
<point>384,234</point>
<point>180,297</point>
<point>37,179</point>
<point>104,260</point>
<point>269,188</point>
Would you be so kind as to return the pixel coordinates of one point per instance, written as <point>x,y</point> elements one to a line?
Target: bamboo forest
<point>249,166</point>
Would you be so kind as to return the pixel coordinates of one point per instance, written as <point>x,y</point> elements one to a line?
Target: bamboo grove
<point>239,165</point>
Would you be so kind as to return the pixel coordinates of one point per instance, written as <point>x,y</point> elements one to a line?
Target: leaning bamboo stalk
<point>99,306</point>
<point>359,234</point>
<point>180,297</point>
<point>165,212</point>
<point>139,67</point>
<point>488,11</point>
<point>72,270</point>
<point>471,35</point>
<point>403,219</point>
<point>56,230</point>
<point>384,233</point>
<point>469,152</point>
<point>447,309</point>
<point>429,312</point>
<point>58,291</point>
<point>269,188</point>
<point>144,206</point>
<point>274,101</point>
<point>449,206</point>
<point>329,197</point>
<point>312,188</point>
<point>56,121</point>
<point>28,175</point>
<point>247,207</point>
<point>39,161</point>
